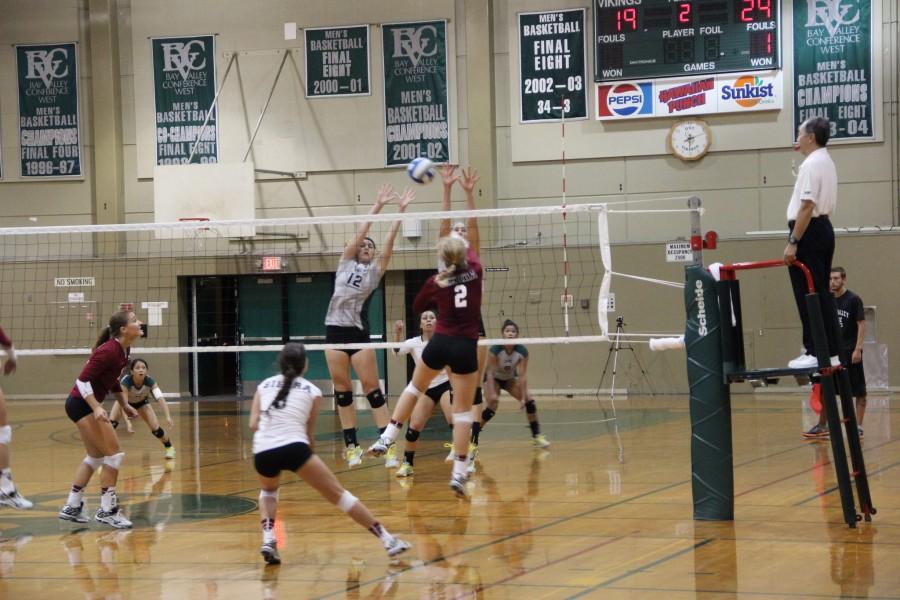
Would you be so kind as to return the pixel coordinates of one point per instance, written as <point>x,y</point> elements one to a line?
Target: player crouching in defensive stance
<point>283,418</point>
<point>139,386</point>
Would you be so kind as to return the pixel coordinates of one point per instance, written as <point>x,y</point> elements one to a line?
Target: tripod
<point>614,357</point>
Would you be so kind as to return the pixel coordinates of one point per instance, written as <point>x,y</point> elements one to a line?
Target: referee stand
<point>835,381</point>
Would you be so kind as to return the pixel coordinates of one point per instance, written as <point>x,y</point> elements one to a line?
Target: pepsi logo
<point>625,99</point>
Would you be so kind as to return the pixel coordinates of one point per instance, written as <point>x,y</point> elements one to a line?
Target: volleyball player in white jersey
<point>437,389</point>
<point>469,232</point>
<point>357,276</point>
<point>283,418</point>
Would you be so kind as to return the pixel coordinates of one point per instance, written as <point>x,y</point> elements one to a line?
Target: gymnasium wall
<point>744,182</point>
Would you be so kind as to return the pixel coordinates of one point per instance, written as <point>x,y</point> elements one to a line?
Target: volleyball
<point>421,170</point>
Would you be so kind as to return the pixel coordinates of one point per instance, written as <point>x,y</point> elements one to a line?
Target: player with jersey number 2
<point>456,292</point>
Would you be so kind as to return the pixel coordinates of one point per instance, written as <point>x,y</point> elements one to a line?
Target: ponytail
<point>289,375</point>
<point>292,362</point>
<point>104,337</point>
<point>116,322</point>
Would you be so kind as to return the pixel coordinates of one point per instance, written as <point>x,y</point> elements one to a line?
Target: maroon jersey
<point>103,369</point>
<point>4,339</point>
<point>459,304</point>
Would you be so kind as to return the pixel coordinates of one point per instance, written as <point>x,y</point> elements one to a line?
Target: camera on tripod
<point>620,321</point>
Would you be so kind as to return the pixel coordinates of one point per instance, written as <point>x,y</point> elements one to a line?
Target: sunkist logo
<point>748,91</point>
<point>701,308</point>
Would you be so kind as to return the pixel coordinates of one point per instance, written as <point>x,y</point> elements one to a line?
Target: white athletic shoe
<point>406,469</point>
<point>804,361</point>
<point>353,454</point>
<point>458,485</point>
<point>113,518</point>
<point>15,500</point>
<point>269,551</point>
<point>76,514</point>
<point>390,457</point>
<point>396,546</point>
<point>379,448</point>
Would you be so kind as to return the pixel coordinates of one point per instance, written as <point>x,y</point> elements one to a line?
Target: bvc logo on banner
<point>832,14</point>
<point>182,57</point>
<point>47,65</point>
<point>412,43</point>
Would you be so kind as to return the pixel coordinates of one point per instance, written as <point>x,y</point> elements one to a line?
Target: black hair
<point>819,127</point>
<point>840,270</point>
<point>507,323</point>
<point>292,362</point>
<point>374,246</point>
<point>134,361</point>
<point>116,322</point>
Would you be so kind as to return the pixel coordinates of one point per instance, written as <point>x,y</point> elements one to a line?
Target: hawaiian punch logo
<point>625,100</point>
<point>748,91</point>
<point>47,65</point>
<point>832,14</point>
<point>415,43</point>
<point>182,57</point>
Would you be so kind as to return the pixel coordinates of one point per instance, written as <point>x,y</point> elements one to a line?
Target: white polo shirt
<point>816,181</point>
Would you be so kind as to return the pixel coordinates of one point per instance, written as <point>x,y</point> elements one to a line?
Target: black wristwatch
<point>792,240</point>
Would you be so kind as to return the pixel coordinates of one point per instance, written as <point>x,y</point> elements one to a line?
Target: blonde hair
<point>452,251</point>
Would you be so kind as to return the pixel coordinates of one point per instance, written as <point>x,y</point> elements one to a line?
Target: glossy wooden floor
<point>601,515</point>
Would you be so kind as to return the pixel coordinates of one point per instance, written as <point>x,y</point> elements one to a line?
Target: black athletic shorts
<point>857,379</point>
<point>504,384</point>
<point>437,392</point>
<point>481,330</point>
<point>458,353</point>
<point>270,463</point>
<point>335,334</point>
<point>139,405</point>
<point>77,408</point>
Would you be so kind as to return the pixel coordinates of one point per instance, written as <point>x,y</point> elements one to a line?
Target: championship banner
<point>416,115</point>
<point>698,95</point>
<point>337,61</point>
<point>49,128</point>
<point>833,66</point>
<point>184,80</point>
<point>551,65</point>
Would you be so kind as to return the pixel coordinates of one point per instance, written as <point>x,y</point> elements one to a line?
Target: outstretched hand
<point>449,176</point>
<point>385,193</point>
<point>469,179</point>
<point>404,199</point>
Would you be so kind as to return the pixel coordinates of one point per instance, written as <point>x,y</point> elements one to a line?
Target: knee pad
<point>263,494</point>
<point>479,397</point>
<point>463,417</point>
<point>114,461</point>
<point>376,398</point>
<point>487,414</point>
<point>5,434</point>
<point>412,435</point>
<point>160,433</point>
<point>530,406</point>
<point>343,398</point>
<point>411,389</point>
<point>93,463</point>
<point>347,501</point>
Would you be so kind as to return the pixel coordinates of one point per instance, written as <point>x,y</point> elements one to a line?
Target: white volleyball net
<point>209,289</point>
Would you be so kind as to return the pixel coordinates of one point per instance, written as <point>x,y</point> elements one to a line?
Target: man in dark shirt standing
<point>852,319</point>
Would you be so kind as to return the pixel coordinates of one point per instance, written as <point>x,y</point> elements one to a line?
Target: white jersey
<point>415,346</point>
<point>286,425</point>
<point>354,282</point>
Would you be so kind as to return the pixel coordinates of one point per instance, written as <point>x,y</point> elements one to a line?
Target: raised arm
<point>467,183</point>
<point>385,193</point>
<point>403,201</point>
<point>449,177</point>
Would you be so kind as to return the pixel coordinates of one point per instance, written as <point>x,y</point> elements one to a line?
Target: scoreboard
<point>641,39</point>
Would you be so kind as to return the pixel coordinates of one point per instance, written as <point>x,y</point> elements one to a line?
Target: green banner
<point>416,112</point>
<point>833,66</point>
<point>49,129</point>
<point>184,78</point>
<point>551,65</point>
<point>337,61</point>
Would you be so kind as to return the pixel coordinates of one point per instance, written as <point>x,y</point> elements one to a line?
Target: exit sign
<point>271,263</point>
